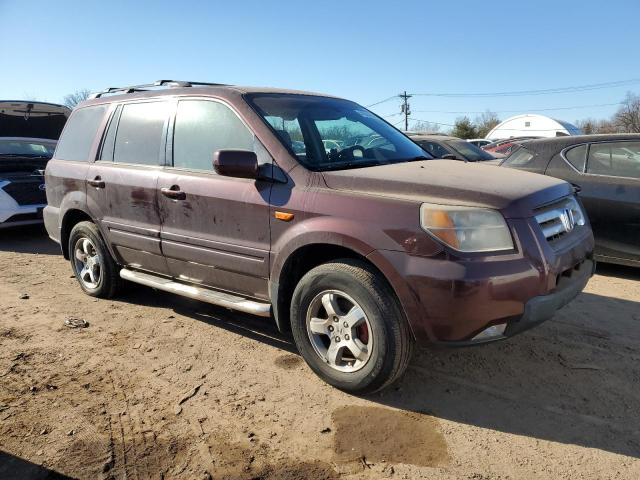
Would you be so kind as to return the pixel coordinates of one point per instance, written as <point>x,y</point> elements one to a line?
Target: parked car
<point>28,134</point>
<point>361,252</point>
<point>451,148</point>
<point>479,142</point>
<point>504,147</point>
<point>606,169</point>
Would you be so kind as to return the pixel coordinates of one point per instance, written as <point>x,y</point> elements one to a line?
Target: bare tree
<point>76,97</point>
<point>627,118</point>
<point>425,127</point>
<point>592,126</point>
<point>486,122</point>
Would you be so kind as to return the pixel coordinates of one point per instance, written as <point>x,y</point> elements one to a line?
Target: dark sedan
<point>606,170</point>
<point>453,148</point>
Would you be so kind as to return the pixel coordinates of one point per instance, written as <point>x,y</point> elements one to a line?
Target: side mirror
<point>236,163</point>
<point>449,156</point>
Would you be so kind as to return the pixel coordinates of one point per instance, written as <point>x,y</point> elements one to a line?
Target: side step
<point>198,293</point>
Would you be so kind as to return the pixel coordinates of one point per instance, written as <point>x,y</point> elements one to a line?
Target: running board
<point>198,293</point>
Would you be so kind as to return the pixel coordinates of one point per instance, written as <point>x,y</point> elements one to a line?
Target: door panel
<point>122,184</point>
<point>218,235</point>
<point>127,206</point>
<point>613,207</point>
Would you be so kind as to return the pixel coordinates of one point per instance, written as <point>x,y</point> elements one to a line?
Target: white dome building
<point>532,125</point>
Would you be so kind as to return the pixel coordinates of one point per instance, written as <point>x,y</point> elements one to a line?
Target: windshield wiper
<point>347,165</point>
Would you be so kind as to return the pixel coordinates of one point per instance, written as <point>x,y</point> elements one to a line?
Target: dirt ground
<point>162,387</point>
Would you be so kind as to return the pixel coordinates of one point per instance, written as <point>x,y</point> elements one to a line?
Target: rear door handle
<point>174,193</point>
<point>96,182</point>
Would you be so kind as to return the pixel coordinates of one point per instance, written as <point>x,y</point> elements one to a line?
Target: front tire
<point>349,328</point>
<point>92,264</point>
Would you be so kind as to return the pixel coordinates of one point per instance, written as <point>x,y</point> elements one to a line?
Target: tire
<point>91,262</point>
<point>381,336</point>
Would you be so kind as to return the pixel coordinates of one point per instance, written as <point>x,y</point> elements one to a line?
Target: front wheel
<point>92,264</point>
<point>349,328</point>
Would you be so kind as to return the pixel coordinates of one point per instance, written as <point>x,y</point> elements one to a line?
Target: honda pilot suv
<point>360,246</point>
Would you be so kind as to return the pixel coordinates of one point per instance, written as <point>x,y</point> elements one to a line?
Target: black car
<point>453,148</point>
<point>606,171</point>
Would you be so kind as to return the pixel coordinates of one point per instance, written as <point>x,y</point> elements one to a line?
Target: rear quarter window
<point>79,133</point>
<point>577,156</point>
<point>519,158</point>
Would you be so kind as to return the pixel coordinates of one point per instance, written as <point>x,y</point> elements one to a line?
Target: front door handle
<point>174,193</point>
<point>96,182</point>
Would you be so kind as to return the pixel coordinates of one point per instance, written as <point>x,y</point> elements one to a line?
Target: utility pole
<point>404,108</point>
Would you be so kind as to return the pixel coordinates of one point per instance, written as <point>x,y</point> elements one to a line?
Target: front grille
<point>27,192</point>
<point>559,218</point>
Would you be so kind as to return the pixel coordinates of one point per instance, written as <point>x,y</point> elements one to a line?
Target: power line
<point>519,110</point>
<point>382,101</point>
<point>548,91</point>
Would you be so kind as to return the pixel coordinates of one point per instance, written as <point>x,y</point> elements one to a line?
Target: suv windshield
<point>27,148</point>
<point>333,134</point>
<point>470,151</point>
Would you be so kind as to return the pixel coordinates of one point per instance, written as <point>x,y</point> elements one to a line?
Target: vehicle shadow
<point>572,380</point>
<point>28,239</point>
<point>256,328</point>
<point>15,468</point>
<point>620,271</point>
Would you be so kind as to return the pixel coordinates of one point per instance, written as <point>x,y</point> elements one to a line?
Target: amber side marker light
<point>284,216</point>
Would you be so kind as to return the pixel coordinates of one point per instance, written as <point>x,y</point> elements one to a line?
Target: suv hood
<point>514,193</point>
<point>21,118</point>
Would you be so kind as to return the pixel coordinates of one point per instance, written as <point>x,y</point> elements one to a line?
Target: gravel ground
<point>157,386</point>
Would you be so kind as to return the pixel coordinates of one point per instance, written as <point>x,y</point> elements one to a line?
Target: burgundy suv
<point>315,211</point>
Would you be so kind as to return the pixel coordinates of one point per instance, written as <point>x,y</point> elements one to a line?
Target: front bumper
<point>543,307</point>
<point>13,214</point>
<point>537,310</point>
<point>453,301</point>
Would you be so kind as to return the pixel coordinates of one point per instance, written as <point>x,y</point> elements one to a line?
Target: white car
<point>28,135</point>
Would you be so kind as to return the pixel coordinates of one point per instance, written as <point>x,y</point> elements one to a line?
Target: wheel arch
<point>289,268</point>
<point>71,218</point>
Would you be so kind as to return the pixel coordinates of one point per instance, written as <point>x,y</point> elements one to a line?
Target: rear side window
<point>618,159</point>
<point>203,127</point>
<point>77,137</point>
<point>577,157</point>
<point>139,133</point>
<point>518,158</point>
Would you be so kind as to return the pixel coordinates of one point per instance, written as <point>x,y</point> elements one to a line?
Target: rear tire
<point>91,262</point>
<point>349,327</point>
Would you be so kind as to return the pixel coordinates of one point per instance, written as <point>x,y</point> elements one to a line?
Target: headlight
<point>466,229</point>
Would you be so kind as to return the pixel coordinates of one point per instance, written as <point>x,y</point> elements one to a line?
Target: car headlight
<point>466,229</point>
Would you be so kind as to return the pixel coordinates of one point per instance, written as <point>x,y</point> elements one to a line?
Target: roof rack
<point>149,86</point>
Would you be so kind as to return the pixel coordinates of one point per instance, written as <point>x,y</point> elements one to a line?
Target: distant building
<point>532,125</point>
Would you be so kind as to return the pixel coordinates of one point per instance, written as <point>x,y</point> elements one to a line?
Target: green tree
<point>463,128</point>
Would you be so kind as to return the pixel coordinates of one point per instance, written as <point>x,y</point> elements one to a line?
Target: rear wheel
<point>92,264</point>
<point>349,327</point>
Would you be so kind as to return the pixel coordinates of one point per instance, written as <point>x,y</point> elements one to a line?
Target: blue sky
<point>363,50</point>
